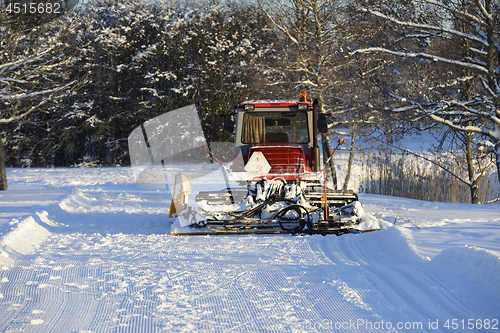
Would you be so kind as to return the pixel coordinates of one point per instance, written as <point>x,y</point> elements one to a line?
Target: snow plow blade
<point>248,230</point>
<point>284,209</point>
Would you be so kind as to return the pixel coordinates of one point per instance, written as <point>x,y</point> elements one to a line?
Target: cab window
<point>275,127</point>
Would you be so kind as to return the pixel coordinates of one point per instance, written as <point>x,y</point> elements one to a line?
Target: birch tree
<point>466,98</point>
<point>313,32</point>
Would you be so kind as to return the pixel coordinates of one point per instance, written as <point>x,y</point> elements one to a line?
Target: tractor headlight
<point>249,107</point>
<point>302,106</point>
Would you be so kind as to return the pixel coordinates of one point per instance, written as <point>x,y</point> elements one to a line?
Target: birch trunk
<point>3,171</point>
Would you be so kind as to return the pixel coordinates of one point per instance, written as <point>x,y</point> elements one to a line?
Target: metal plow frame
<point>290,218</point>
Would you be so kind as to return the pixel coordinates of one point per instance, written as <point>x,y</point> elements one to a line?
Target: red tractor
<point>277,160</point>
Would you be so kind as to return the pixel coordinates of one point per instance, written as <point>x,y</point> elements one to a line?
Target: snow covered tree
<point>459,41</point>
<point>31,79</point>
<point>23,16</point>
<point>134,60</point>
<point>109,38</point>
<point>218,51</point>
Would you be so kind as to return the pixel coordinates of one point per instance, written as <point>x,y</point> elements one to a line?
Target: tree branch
<point>407,151</point>
<point>453,10</point>
<point>37,93</point>
<point>427,26</point>
<point>23,115</point>
<point>467,129</point>
<point>422,55</point>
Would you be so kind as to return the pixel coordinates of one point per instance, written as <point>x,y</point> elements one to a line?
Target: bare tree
<point>313,32</point>
<point>28,80</point>
<point>461,36</point>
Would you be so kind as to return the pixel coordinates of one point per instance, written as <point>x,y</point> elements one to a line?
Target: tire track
<point>44,299</point>
<point>137,282</point>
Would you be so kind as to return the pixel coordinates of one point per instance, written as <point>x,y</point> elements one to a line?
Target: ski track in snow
<point>86,250</point>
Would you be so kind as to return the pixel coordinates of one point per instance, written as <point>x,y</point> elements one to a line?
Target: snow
<point>87,250</point>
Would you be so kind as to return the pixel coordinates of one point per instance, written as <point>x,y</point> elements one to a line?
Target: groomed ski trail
<point>107,264</point>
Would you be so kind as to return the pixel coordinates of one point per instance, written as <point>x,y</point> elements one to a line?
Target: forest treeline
<point>72,89</point>
<point>122,63</point>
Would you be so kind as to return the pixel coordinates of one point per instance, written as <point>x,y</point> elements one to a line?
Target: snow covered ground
<point>87,250</point>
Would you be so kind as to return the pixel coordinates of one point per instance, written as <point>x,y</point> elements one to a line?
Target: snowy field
<point>87,250</point>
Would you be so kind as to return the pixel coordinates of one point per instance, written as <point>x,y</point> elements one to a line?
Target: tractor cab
<point>281,135</point>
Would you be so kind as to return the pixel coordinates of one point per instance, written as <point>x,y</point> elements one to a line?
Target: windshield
<point>275,127</point>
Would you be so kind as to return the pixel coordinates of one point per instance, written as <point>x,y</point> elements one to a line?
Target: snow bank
<point>5,262</point>
<point>390,246</point>
<point>400,241</point>
<point>370,222</point>
<point>70,177</point>
<point>24,239</point>
<point>477,264</point>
